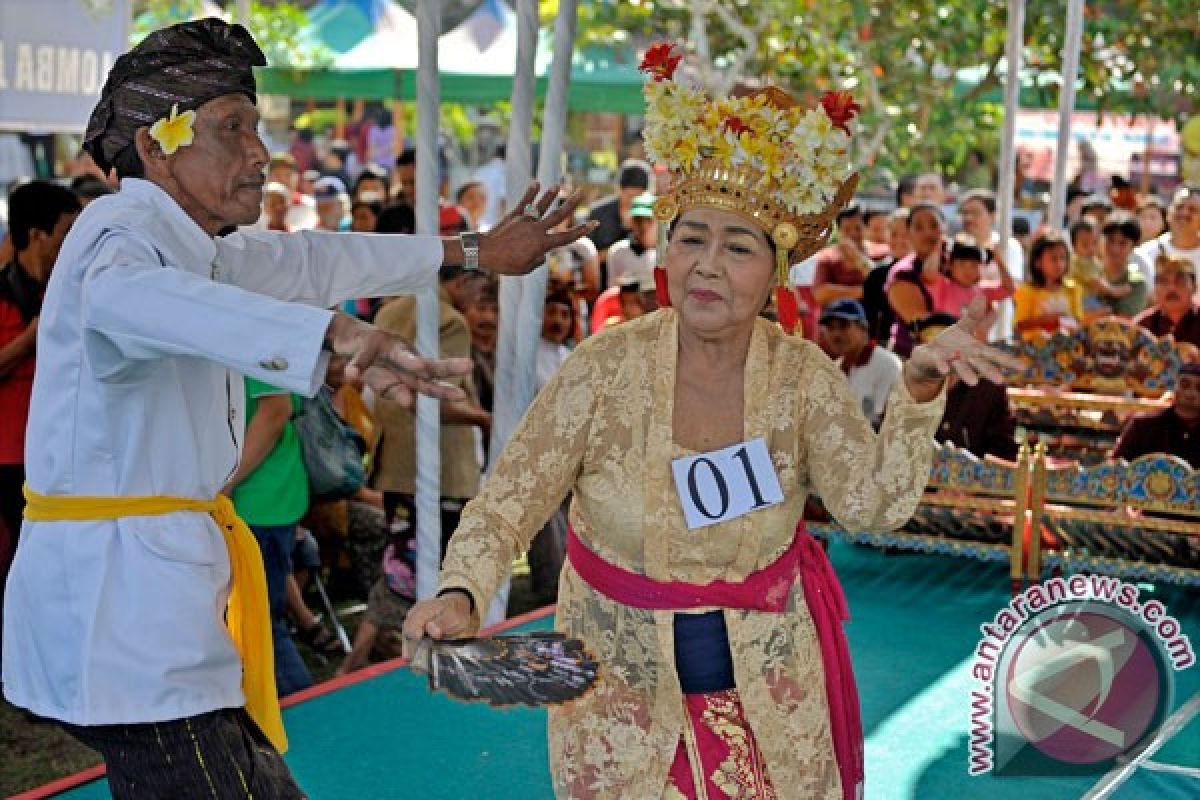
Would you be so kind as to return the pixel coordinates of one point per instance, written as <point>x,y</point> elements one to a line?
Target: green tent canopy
<point>375,46</point>
<point>610,90</point>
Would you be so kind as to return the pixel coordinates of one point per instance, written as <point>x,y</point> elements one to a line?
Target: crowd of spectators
<point>892,275</point>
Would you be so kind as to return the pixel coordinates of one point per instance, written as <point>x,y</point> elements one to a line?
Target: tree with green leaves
<point>276,26</point>
<point>928,72</point>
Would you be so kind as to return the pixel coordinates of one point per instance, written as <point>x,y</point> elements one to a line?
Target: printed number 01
<point>722,485</point>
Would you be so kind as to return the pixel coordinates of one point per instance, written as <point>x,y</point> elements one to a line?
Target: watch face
<point>470,246</point>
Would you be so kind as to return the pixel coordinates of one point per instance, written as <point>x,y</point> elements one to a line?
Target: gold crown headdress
<point>760,155</point>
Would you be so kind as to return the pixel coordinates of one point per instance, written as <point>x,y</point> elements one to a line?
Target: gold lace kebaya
<point>602,431</point>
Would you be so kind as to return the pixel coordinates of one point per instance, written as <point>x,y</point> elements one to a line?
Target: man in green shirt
<point>1122,290</point>
<point>270,492</point>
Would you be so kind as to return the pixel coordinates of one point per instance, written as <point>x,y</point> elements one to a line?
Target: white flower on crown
<point>802,154</point>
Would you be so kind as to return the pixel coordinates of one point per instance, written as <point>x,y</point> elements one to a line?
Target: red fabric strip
<point>763,590</point>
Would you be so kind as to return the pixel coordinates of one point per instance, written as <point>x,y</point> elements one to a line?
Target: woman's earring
<point>661,293</point>
<point>665,210</point>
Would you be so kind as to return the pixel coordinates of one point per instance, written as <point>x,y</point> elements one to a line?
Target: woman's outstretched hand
<point>958,348</point>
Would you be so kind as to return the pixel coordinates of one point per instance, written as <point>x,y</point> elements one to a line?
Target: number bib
<point>725,484</point>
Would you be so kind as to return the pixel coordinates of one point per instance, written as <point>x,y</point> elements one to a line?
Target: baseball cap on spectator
<point>643,206</point>
<point>634,174</point>
<point>328,188</point>
<point>847,309</point>
<point>275,187</point>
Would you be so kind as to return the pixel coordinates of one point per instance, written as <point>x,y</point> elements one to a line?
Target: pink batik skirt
<point>718,758</point>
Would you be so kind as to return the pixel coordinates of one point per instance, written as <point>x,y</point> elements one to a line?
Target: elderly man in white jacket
<point>115,611</point>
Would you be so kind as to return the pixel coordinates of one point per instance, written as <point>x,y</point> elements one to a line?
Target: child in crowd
<point>637,295</point>
<point>1086,270</point>
<point>875,220</point>
<point>1152,217</point>
<point>631,298</point>
<point>961,281</point>
<point>1121,291</point>
<point>1050,301</point>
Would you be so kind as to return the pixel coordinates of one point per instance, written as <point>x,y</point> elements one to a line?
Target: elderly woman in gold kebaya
<point>690,439</point>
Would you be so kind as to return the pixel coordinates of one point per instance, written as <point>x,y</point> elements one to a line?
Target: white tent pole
<point>429,451</point>
<point>519,169</point>
<point>506,413</point>
<point>549,172</point>
<point>1014,53</point>
<point>554,117</point>
<point>1072,41</point>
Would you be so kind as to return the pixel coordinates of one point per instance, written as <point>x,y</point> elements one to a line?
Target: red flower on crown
<point>735,126</point>
<point>840,108</point>
<point>659,63</point>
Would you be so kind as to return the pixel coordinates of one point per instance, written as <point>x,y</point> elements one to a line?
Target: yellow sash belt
<point>248,615</point>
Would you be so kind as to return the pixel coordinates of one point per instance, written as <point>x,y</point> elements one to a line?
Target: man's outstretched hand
<point>520,241</point>
<point>387,363</point>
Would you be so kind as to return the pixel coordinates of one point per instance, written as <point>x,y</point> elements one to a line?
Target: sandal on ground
<point>320,639</point>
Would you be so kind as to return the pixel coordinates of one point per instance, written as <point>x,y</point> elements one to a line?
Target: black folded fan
<point>532,669</point>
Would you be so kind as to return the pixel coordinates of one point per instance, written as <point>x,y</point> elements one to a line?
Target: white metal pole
<point>1072,41</point>
<point>506,413</point>
<point>429,451</point>
<point>554,117</point>
<point>554,129</point>
<point>1014,53</point>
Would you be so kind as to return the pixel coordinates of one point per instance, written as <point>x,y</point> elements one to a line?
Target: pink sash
<point>763,590</point>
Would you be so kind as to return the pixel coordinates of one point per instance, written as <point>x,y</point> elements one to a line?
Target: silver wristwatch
<point>470,248</point>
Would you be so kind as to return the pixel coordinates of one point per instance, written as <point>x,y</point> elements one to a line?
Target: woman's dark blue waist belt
<point>702,656</point>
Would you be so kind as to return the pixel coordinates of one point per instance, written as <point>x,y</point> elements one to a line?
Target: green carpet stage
<point>382,735</point>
